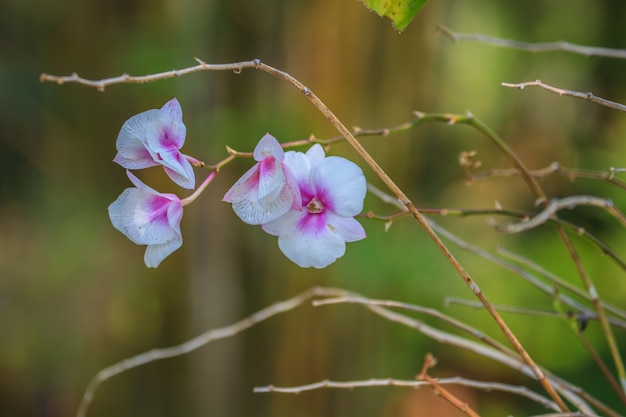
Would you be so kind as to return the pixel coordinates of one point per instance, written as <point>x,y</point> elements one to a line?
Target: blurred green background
<point>75,295</point>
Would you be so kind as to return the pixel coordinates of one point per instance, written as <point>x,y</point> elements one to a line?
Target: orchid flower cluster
<point>307,200</point>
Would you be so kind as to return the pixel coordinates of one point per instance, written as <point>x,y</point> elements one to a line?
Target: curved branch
<point>588,51</point>
<point>563,203</point>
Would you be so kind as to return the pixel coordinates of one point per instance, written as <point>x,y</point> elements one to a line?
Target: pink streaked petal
<point>312,225</point>
<point>340,185</point>
<point>147,219</point>
<point>243,186</point>
<point>268,146</point>
<point>271,179</point>
<point>156,253</point>
<point>347,228</point>
<point>306,252</point>
<point>165,135</point>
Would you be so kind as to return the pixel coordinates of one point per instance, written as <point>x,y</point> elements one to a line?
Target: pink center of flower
<point>315,206</point>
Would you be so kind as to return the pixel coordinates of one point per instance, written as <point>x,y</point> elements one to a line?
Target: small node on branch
<point>237,70</point>
<point>467,161</point>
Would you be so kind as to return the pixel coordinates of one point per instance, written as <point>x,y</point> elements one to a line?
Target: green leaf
<point>401,12</point>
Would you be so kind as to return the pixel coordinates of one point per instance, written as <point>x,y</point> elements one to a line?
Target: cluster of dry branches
<point>576,305</point>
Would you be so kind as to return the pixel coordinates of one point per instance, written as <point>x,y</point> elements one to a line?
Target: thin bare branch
<point>555,168</point>
<point>588,51</point>
<point>562,92</point>
<point>564,203</point>
<point>100,85</point>
<point>566,415</point>
<point>584,315</point>
<point>482,385</point>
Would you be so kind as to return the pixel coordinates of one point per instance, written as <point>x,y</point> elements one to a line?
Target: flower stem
<point>199,190</point>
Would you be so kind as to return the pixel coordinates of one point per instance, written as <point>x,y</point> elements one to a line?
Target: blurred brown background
<point>75,295</point>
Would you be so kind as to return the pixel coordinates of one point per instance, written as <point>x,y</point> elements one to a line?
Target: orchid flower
<point>154,138</point>
<point>332,191</point>
<point>268,189</point>
<point>150,218</point>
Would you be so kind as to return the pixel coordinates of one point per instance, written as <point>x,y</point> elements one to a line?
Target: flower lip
<point>315,206</point>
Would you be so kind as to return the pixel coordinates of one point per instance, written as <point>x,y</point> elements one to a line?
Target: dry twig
<point>429,362</point>
<point>588,51</point>
<point>374,382</point>
<point>562,92</point>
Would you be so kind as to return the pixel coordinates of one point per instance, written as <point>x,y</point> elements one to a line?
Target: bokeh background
<point>75,295</point>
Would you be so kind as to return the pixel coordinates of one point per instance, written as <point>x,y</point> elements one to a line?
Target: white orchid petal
<point>155,254</point>
<point>341,185</point>
<point>307,251</point>
<point>347,228</point>
<point>132,138</point>
<point>315,154</point>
